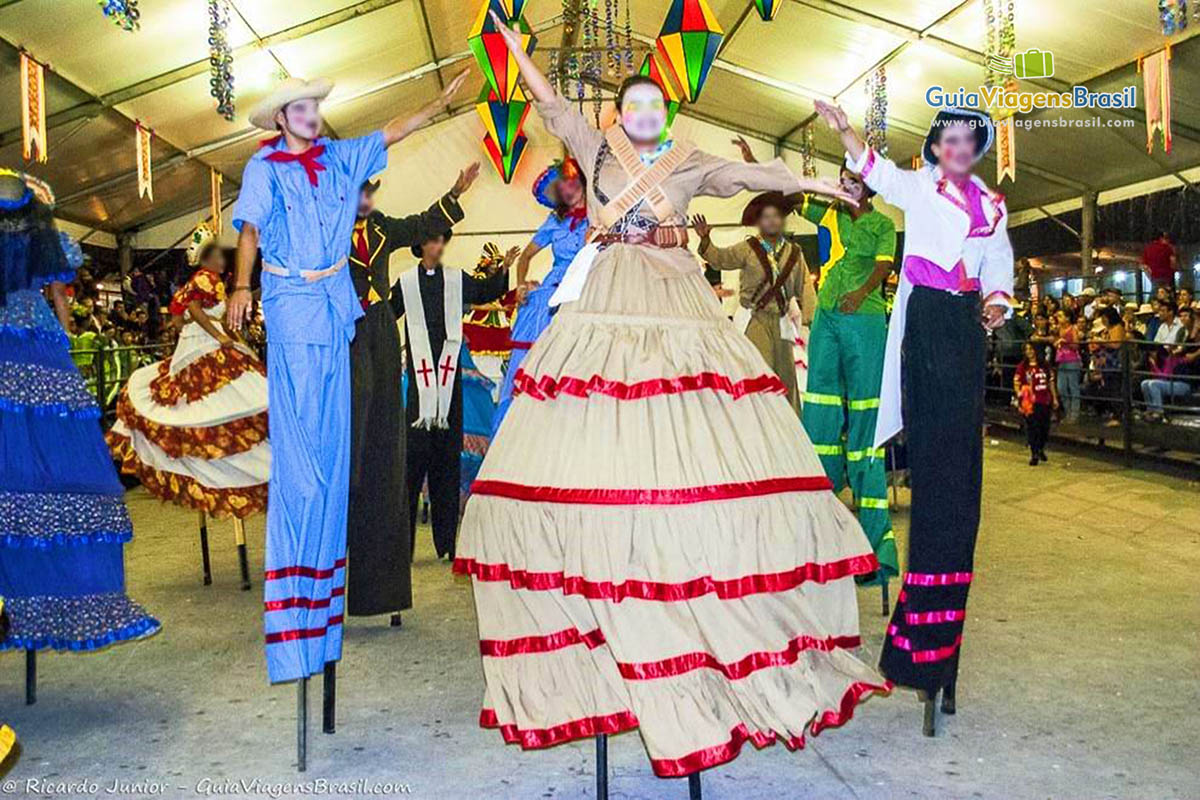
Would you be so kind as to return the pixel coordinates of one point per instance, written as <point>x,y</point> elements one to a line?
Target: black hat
<point>978,121</point>
<point>417,248</point>
<point>753,210</point>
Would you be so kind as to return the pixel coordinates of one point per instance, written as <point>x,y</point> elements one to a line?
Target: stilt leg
<point>930,726</point>
<point>30,677</point>
<point>395,621</point>
<point>204,549</point>
<point>694,786</point>
<point>602,767</point>
<point>302,725</point>
<point>883,595</point>
<point>239,536</point>
<point>329,704</point>
<point>949,705</point>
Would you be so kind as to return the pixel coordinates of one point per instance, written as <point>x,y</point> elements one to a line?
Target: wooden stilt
<point>204,558</point>
<point>883,594</point>
<point>329,700</point>
<point>302,725</point>
<point>601,767</point>
<point>929,727</point>
<point>949,700</point>
<point>694,786</point>
<point>30,677</point>
<point>239,536</point>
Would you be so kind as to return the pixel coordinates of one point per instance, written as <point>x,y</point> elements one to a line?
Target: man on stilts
<point>845,355</point>
<point>297,203</point>
<point>775,296</point>
<point>377,534</point>
<point>432,300</point>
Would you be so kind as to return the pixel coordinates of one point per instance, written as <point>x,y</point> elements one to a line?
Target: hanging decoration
<point>33,109</point>
<point>875,122</point>
<point>502,105</point>
<point>808,149</point>
<point>1156,78</point>
<point>215,179</point>
<point>220,58</point>
<point>767,9</point>
<point>486,43</point>
<point>652,68</point>
<point>1000,44</point>
<point>688,44</point>
<point>144,178</point>
<point>1173,16</point>
<point>124,13</point>
<point>918,162</point>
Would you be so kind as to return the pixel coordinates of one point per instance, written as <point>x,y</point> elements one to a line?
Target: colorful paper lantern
<point>688,42</point>
<point>505,163</point>
<point>489,49</point>
<point>503,121</point>
<point>767,9</point>
<point>651,68</point>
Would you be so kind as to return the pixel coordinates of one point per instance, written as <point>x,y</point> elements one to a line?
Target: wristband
<point>242,289</point>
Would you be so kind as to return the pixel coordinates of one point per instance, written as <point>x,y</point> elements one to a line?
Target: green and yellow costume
<point>845,364</point>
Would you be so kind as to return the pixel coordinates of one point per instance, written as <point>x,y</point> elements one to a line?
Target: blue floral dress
<point>63,521</point>
<point>565,237</point>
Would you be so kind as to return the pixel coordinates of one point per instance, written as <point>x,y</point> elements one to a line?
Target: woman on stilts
<point>652,540</point>
<point>955,284</point>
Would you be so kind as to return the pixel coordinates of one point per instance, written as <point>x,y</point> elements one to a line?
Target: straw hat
<point>1145,310</point>
<point>291,90</point>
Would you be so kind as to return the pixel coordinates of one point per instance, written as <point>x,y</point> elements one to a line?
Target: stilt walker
<point>298,201</point>
<point>379,552</point>
<point>845,357</point>
<point>956,282</point>
<point>432,299</point>
<point>193,427</point>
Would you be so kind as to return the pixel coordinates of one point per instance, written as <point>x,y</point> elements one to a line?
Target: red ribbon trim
<point>651,497</point>
<point>680,665</point>
<point>850,700</point>
<point>937,578</point>
<point>304,572</point>
<point>525,645</point>
<point>304,602</point>
<point>303,633</point>
<point>934,617</point>
<point>669,592</point>
<point>535,739</point>
<point>922,656</point>
<point>547,387</point>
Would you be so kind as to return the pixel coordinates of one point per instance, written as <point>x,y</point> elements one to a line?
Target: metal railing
<point>1114,410</point>
<point>106,367</point>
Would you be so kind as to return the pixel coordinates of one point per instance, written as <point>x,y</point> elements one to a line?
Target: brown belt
<point>664,236</point>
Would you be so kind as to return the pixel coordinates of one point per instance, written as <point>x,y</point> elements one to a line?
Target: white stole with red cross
<point>434,379</point>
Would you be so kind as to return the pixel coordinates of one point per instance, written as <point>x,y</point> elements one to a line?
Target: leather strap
<point>774,289</point>
<point>645,182</point>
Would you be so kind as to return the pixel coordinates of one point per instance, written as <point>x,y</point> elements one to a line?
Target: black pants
<point>1037,428</point>
<point>943,374</point>
<point>437,455</point>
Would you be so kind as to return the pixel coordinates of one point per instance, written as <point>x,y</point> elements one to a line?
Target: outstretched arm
<point>538,84</point>
<point>723,258</point>
<point>437,219</point>
<point>400,127</point>
<point>899,187</point>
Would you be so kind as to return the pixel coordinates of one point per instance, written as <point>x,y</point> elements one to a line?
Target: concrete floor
<point>1081,675</point>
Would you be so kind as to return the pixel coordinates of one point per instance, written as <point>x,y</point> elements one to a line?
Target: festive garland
<point>124,13</point>
<point>875,125</point>
<point>1173,16</point>
<point>220,58</point>
<point>1001,42</point>
<point>808,148</point>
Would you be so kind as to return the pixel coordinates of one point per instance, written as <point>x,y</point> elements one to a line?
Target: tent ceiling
<point>388,56</point>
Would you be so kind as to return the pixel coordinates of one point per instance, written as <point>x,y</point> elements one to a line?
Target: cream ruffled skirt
<point>652,540</point>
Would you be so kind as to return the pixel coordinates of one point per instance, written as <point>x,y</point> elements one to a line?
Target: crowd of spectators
<point>1084,340</point>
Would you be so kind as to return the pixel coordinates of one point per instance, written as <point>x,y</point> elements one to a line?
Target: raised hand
<point>511,256</point>
<point>452,88</point>
<point>747,154</point>
<point>828,188</point>
<point>512,38</point>
<point>701,227</point>
<point>465,178</point>
<point>833,115</point>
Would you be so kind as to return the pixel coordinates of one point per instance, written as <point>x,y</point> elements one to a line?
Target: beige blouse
<point>700,173</point>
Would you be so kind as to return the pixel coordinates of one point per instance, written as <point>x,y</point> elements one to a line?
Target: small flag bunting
<point>33,110</point>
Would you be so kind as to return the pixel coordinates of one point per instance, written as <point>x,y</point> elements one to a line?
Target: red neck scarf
<point>576,215</point>
<point>307,159</point>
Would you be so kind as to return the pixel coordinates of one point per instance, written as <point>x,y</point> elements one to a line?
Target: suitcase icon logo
<point>1033,64</point>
